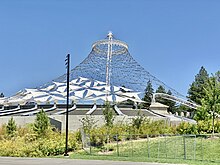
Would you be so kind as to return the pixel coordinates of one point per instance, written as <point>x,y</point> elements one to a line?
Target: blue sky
<point>171,39</point>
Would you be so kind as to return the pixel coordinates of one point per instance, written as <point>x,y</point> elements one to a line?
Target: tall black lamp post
<point>67,100</point>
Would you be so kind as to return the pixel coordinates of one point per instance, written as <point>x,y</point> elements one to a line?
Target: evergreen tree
<point>2,95</point>
<point>184,108</point>
<point>148,94</point>
<point>161,89</point>
<point>167,102</point>
<point>42,123</point>
<point>11,127</point>
<point>196,91</point>
<point>171,104</point>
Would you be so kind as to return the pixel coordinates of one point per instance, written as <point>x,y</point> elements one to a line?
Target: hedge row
<point>26,143</point>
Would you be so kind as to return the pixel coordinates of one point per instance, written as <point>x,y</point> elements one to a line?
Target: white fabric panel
<point>81,88</point>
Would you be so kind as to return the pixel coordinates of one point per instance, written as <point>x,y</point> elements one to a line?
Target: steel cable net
<point>123,70</point>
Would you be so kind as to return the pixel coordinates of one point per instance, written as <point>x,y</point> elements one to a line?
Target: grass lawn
<point>197,151</point>
<point>83,155</point>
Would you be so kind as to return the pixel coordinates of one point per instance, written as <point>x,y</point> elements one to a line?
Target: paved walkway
<point>56,161</point>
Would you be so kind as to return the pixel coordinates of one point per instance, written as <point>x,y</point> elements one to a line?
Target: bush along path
<point>40,139</point>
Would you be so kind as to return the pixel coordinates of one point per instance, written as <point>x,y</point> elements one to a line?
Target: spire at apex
<point>110,34</point>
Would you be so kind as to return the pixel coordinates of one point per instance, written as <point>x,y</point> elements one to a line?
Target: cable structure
<point>117,68</point>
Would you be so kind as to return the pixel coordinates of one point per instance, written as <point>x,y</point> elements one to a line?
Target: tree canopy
<point>42,123</point>
<point>148,94</point>
<point>196,91</point>
<point>210,103</point>
<point>169,103</point>
<point>1,95</point>
<point>161,89</point>
<point>11,127</point>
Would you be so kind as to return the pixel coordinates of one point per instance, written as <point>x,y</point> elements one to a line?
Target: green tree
<point>172,105</point>
<point>11,128</point>
<point>148,94</point>
<point>210,101</point>
<point>108,114</point>
<point>161,89</point>
<point>42,123</point>
<point>196,91</point>
<point>2,95</point>
<point>88,123</point>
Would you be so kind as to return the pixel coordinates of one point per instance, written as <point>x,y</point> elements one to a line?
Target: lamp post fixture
<point>67,100</point>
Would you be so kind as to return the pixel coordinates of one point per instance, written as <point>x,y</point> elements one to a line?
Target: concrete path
<point>56,161</point>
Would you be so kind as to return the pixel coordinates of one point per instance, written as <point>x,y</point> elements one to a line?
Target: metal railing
<point>189,147</point>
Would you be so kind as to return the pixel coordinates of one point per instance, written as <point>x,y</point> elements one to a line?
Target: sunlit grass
<point>168,150</point>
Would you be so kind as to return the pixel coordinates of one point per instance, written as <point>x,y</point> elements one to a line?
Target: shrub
<point>205,126</point>
<point>2,131</point>
<point>50,145</point>
<point>108,114</point>
<point>88,123</point>
<point>138,121</point>
<point>11,128</point>
<point>42,123</point>
<point>187,128</point>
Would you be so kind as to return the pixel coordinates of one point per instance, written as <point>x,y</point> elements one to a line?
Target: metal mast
<point>108,62</point>
<point>67,100</point>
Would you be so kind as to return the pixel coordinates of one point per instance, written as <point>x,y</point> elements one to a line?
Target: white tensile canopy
<point>80,89</point>
<point>2,100</point>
